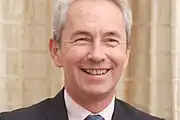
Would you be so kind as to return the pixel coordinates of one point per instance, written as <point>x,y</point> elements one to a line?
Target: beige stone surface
<point>3,93</point>
<point>164,12</point>
<point>13,91</point>
<point>148,82</point>
<point>176,59</point>
<point>25,61</point>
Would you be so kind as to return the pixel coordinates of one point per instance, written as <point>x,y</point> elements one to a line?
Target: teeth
<point>103,71</point>
<point>98,72</point>
<point>95,72</point>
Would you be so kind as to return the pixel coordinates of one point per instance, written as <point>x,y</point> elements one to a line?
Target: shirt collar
<point>78,112</point>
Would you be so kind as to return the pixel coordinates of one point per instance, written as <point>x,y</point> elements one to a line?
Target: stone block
<point>13,65</point>
<point>14,93</point>
<point>35,90</point>
<point>164,12</point>
<point>34,65</point>
<point>35,38</point>
<point>163,39</point>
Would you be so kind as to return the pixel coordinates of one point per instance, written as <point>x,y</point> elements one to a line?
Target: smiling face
<point>93,50</point>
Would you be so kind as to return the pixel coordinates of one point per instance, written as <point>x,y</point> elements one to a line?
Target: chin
<point>97,91</point>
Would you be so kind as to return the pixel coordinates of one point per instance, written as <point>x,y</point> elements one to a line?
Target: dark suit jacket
<point>55,109</point>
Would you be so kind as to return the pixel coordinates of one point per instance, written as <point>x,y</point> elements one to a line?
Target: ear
<point>55,53</point>
<point>128,51</point>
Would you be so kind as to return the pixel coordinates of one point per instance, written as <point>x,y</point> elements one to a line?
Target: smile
<point>95,71</point>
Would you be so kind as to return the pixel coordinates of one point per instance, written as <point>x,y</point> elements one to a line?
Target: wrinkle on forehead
<point>92,12</point>
<point>95,16</point>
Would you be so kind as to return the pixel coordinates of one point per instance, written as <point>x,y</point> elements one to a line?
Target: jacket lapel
<point>120,112</point>
<point>58,110</point>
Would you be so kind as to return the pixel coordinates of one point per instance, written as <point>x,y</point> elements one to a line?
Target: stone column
<point>148,81</point>
<point>161,58</point>
<point>175,23</point>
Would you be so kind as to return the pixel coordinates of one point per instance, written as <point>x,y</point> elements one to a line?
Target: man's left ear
<point>55,52</point>
<point>128,51</point>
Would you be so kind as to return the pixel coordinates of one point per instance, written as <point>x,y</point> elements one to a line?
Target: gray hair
<point>60,16</point>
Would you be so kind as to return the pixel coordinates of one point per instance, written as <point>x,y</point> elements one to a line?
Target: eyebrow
<point>112,33</point>
<point>80,32</point>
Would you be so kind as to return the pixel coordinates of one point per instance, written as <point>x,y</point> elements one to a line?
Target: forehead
<point>98,15</point>
<point>94,10</point>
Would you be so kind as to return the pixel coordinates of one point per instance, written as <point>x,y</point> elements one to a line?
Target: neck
<point>93,103</point>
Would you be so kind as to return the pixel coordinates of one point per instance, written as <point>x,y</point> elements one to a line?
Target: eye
<point>82,41</point>
<point>112,42</point>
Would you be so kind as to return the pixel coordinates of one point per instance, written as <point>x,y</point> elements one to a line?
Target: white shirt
<point>77,112</point>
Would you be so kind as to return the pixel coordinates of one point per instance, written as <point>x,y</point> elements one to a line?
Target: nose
<point>97,54</point>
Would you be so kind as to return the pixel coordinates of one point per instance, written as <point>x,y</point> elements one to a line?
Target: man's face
<point>93,47</point>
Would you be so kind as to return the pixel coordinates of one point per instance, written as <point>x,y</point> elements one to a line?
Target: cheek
<point>74,55</point>
<point>118,57</point>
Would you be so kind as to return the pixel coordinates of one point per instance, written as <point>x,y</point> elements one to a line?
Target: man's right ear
<point>55,52</point>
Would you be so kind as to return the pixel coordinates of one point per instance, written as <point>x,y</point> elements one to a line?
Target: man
<point>91,43</point>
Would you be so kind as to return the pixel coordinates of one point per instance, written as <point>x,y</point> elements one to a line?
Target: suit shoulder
<point>134,112</point>
<point>33,112</point>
